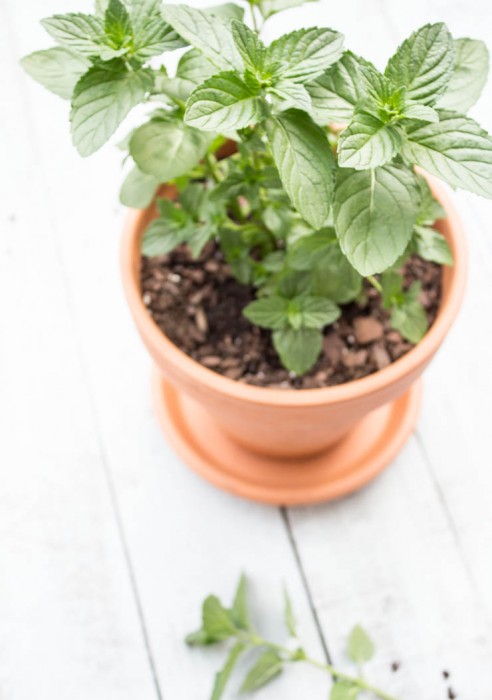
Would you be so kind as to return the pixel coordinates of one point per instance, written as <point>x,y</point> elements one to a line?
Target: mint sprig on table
<point>303,212</point>
<point>266,660</point>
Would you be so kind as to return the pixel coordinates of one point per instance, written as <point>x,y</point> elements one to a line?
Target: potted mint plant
<point>292,265</point>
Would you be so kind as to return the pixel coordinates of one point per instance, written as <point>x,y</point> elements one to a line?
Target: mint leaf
<point>117,25</point>
<point>430,209</point>
<point>424,113</point>
<point>138,189</point>
<point>267,667</point>
<point>228,11</point>
<point>344,691</point>
<point>312,250</point>
<point>102,99</point>
<point>160,238</point>
<point>432,245</point>
<point>456,150</point>
<point>470,71</point>
<point>167,149</point>
<point>289,95</point>
<point>314,312</point>
<point>57,69</point>
<point>409,317</point>
<point>223,675</point>
<point>224,102</point>
<point>268,312</point>
<point>252,50</point>
<point>298,349</point>
<point>271,7</point>
<point>335,92</point>
<point>209,33</point>
<point>239,610</point>
<point>152,35</point>
<point>305,53</point>
<point>217,621</point>
<point>423,63</point>
<point>194,67</point>
<point>374,213</point>
<point>360,646</point>
<point>367,143</point>
<point>289,617</point>
<point>77,31</point>
<point>305,163</point>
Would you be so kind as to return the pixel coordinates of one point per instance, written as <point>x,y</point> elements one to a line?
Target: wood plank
<point>69,625</point>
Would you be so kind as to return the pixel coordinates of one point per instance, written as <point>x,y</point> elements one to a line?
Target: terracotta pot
<point>267,427</point>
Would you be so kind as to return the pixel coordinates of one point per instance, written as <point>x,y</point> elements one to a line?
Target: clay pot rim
<point>217,383</point>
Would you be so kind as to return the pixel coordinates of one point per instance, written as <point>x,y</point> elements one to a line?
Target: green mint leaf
<point>313,312</point>
<point>335,92</point>
<point>305,163</point>
<point>252,50</point>
<point>336,279</point>
<point>199,638</point>
<point>168,149</point>
<point>368,143</point>
<point>239,610</point>
<point>138,189</point>
<point>161,237</point>
<point>229,188</point>
<point>152,35</point>
<point>375,212</point>
<point>360,646</point>
<point>332,275</point>
<point>430,209</point>
<point>423,63</point>
<point>432,245</point>
<point>57,69</point>
<point>289,617</point>
<point>77,31</point>
<point>423,113</point>
<point>102,99</point>
<point>222,677</point>
<point>289,95</point>
<point>228,11</point>
<point>217,621</point>
<point>305,53</point>
<point>194,67</point>
<point>312,250</point>
<point>199,237</point>
<point>267,667</point>
<point>209,33</point>
<point>392,284</point>
<point>117,24</point>
<point>409,317</point>
<point>469,75</point>
<point>298,349</point>
<point>271,7</point>
<point>456,150</point>
<point>225,102</point>
<point>344,691</point>
<point>268,312</point>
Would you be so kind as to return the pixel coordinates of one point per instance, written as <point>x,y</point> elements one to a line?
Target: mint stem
<point>256,640</point>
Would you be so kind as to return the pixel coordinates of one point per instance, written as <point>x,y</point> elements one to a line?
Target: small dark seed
<point>395,666</point>
<point>451,694</point>
<point>445,674</point>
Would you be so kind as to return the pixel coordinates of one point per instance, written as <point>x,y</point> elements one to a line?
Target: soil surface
<point>197,304</point>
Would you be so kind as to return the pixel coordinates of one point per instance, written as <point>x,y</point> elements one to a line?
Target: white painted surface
<point>108,543</point>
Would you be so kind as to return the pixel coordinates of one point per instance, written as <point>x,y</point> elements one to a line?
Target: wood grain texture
<point>108,543</point>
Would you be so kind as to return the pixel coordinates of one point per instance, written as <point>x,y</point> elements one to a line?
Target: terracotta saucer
<point>345,468</point>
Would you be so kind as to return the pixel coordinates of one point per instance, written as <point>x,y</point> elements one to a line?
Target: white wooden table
<point>108,543</point>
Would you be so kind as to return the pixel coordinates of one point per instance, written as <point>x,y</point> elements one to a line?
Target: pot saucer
<point>344,468</point>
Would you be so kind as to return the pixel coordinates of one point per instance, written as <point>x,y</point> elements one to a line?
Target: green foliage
<point>267,660</point>
<point>360,646</point>
<point>302,211</point>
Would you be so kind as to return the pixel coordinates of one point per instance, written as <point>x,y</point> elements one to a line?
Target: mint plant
<point>266,659</point>
<point>303,211</point>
